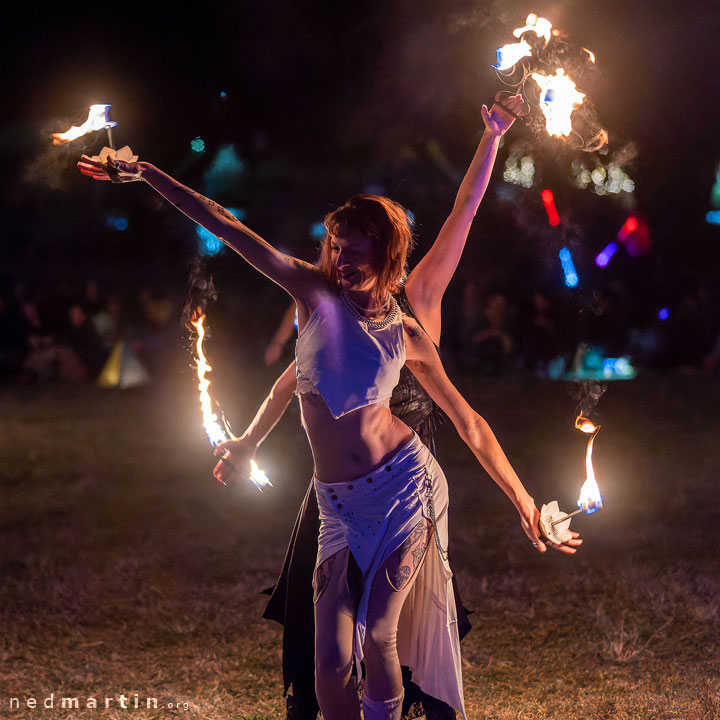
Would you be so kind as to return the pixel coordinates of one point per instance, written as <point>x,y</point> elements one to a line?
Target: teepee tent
<point>123,369</point>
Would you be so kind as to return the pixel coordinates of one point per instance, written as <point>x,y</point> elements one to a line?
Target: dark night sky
<point>326,98</point>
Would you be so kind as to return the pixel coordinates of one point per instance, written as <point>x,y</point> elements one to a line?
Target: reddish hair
<point>386,223</point>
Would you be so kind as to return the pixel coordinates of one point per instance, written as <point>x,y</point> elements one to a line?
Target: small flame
<point>558,99</point>
<point>215,431</point>
<point>590,499</point>
<point>97,120</point>
<point>258,477</point>
<point>591,55</point>
<point>508,55</point>
<point>587,426</point>
<point>539,25</point>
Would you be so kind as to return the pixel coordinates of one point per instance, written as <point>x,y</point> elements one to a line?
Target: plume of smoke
<point>588,395</point>
<point>49,167</point>
<point>626,155</point>
<point>201,292</point>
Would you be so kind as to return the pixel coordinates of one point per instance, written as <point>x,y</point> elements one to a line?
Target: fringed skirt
<point>373,515</point>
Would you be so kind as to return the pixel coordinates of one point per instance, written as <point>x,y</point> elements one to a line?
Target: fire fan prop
<point>555,523</point>
<point>539,55</point>
<point>98,119</point>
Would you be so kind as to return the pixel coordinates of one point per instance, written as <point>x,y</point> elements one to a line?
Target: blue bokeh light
<point>713,217</point>
<point>117,222</point>
<point>208,244</point>
<point>317,231</point>
<point>664,313</point>
<point>618,368</point>
<point>605,255</point>
<point>571,276</point>
<point>197,145</point>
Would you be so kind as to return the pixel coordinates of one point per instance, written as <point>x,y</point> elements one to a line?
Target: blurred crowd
<point>76,335</point>
<point>71,334</point>
<point>540,334</point>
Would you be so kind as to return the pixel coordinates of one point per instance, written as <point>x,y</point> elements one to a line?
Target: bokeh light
<point>571,276</point>
<point>208,244</point>
<point>117,222</point>
<point>317,231</point>
<point>605,255</point>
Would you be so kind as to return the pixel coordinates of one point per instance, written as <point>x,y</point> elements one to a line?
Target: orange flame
<point>216,432</point>
<point>590,498</point>
<point>97,120</point>
<point>559,97</point>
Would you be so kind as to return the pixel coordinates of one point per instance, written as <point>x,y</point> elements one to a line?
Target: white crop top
<point>347,361</point>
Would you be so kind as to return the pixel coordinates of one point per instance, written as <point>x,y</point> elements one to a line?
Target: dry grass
<point>126,569</point>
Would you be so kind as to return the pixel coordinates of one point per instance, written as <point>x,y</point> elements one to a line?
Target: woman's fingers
<point>93,174</point>
<point>87,160</point>
<point>569,547</point>
<point>222,447</point>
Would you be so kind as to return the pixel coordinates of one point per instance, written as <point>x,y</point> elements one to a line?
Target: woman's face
<point>353,257</point>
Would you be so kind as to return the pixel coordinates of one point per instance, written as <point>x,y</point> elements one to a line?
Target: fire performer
<point>383,498</point>
<point>420,296</point>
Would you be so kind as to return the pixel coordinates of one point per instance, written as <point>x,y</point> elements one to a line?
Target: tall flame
<point>558,99</point>
<point>216,432</point>
<point>590,499</point>
<point>97,120</point>
<point>539,25</point>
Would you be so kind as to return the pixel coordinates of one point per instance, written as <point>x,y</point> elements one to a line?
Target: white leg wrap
<point>382,709</point>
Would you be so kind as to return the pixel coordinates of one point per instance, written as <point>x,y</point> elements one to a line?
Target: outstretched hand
<point>497,119</point>
<point>530,519</point>
<point>117,171</point>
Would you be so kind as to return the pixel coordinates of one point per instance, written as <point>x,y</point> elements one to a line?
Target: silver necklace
<point>360,311</point>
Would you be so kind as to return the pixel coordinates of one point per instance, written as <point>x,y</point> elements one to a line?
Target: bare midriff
<point>354,444</point>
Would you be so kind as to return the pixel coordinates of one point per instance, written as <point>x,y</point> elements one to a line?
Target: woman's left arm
<point>424,362</point>
<point>429,279</point>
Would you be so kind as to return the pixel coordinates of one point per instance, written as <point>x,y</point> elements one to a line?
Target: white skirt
<point>373,515</point>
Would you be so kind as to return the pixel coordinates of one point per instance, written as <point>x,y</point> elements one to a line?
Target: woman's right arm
<point>299,278</point>
<point>424,362</point>
<point>241,450</point>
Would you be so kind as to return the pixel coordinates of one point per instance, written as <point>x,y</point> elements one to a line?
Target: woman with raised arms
<point>291,603</point>
<point>383,498</point>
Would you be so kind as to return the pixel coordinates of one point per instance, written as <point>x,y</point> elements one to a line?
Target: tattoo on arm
<point>207,201</point>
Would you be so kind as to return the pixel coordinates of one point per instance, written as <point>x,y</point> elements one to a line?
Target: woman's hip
<point>382,506</point>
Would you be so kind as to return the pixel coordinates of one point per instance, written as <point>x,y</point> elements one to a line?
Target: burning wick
<point>555,523</point>
<point>98,119</point>
<point>215,431</point>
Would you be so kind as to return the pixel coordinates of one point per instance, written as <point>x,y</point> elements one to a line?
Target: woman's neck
<point>366,301</point>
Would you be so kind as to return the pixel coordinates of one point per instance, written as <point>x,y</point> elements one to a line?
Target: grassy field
<point>126,569</point>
